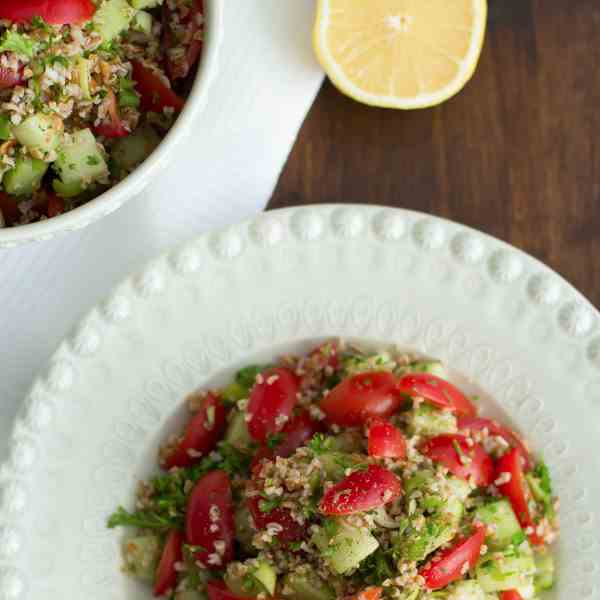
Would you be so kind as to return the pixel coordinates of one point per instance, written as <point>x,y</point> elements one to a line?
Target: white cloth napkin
<point>226,171</point>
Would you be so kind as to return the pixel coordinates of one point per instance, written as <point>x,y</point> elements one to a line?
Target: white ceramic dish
<point>133,185</point>
<point>91,425</point>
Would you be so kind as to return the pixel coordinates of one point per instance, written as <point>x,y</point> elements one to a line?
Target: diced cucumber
<point>112,18</point>
<point>335,464</point>
<point>544,570</point>
<point>83,72</point>
<point>527,592</point>
<point>433,367</point>
<point>259,577</point>
<point>342,545</point>
<point>506,570</point>
<point>426,420</point>
<point>130,151</point>
<point>504,526</point>
<point>466,590</point>
<point>145,3</point>
<point>417,481</point>
<point>358,363</point>
<point>237,433</point>
<point>234,392</point>
<point>5,128</point>
<point>79,163</point>
<point>305,584</point>
<point>141,555</point>
<point>142,22</point>
<point>25,177</point>
<point>40,132</point>
<point>347,441</point>
<point>456,488</point>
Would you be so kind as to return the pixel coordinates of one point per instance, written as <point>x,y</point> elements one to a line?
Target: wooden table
<point>516,154</point>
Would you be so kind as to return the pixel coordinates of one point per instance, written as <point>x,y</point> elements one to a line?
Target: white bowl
<point>135,183</point>
<point>92,423</point>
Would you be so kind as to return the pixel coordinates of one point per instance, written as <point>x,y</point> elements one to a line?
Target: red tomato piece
<point>371,593</point>
<point>210,504</point>
<point>166,574</point>
<point>271,402</point>
<point>9,208</point>
<point>291,529</point>
<point>510,595</point>
<point>297,431</point>
<point>449,565</point>
<point>461,458</point>
<point>438,391</point>
<point>56,12</point>
<point>217,590</point>
<point>386,441</point>
<point>113,128</point>
<point>361,491</point>
<point>155,95</point>
<point>192,21</point>
<point>9,78</point>
<point>362,397</point>
<point>203,432</point>
<point>516,490</point>
<point>494,428</point>
<point>65,12</point>
<point>327,353</point>
<point>55,206</point>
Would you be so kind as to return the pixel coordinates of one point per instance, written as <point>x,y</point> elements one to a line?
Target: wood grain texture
<point>516,154</point>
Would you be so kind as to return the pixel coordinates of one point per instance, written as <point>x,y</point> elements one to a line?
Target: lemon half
<point>400,53</point>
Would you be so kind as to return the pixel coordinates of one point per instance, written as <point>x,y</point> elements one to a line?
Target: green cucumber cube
<point>112,18</point>
<point>25,177</point>
<point>502,523</point>
<point>141,555</point>
<point>39,132</point>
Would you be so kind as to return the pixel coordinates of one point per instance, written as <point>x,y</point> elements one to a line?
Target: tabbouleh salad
<point>87,91</point>
<point>343,474</point>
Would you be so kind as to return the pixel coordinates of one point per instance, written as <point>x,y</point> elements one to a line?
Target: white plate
<point>91,425</point>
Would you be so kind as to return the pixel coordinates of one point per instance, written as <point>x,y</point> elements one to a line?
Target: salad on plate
<point>87,91</point>
<point>344,473</point>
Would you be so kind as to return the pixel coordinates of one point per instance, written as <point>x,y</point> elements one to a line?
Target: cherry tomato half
<point>166,574</point>
<point>113,127</point>
<point>291,529</point>
<point>155,95</point>
<point>54,206</point>
<point>370,593</point>
<point>56,12</point>
<point>438,391</point>
<point>516,490</point>
<point>460,458</point>
<point>209,516</point>
<point>361,491</point>
<point>296,432</point>
<point>494,428</point>
<point>449,565</point>
<point>217,590</point>
<point>386,441</point>
<point>203,432</point>
<point>362,397</point>
<point>510,595</point>
<point>9,208</point>
<point>271,403</point>
<point>178,66</point>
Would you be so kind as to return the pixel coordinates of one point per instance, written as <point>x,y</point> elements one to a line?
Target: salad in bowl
<point>344,473</point>
<point>88,89</point>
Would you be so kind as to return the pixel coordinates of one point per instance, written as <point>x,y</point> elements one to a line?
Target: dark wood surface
<point>516,154</point>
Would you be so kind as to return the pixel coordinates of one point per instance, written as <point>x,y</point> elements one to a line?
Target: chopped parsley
<point>274,440</point>
<point>268,505</point>
<point>92,161</point>
<point>17,43</point>
<point>128,97</point>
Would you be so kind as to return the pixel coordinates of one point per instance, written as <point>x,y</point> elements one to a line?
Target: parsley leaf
<point>128,97</point>
<point>542,472</point>
<point>319,443</point>
<point>17,43</point>
<point>268,504</point>
<point>274,440</point>
<point>142,519</point>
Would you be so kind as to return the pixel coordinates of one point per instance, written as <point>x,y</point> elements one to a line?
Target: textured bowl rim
<point>132,185</point>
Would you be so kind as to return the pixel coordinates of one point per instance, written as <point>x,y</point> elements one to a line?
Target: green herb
<point>39,23</point>
<point>142,519</point>
<point>57,59</point>
<point>319,444</point>
<point>518,538</point>
<point>92,161</point>
<point>247,376</point>
<point>17,43</point>
<point>128,97</point>
<point>542,472</point>
<point>295,546</point>
<point>5,129</point>
<point>375,568</point>
<point>268,504</point>
<point>274,440</point>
